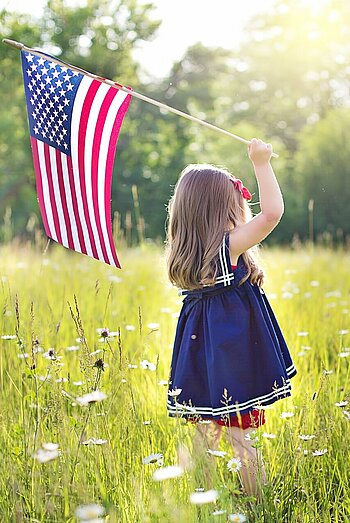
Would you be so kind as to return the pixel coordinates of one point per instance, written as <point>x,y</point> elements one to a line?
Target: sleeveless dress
<point>230,358</point>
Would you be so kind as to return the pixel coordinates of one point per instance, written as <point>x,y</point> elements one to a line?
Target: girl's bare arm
<point>271,202</point>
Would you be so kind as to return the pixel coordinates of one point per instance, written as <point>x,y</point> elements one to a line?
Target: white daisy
<point>153,458</point>
<point>218,512</point>
<point>234,465</point>
<point>95,441</point>
<point>237,518</point>
<point>286,415</point>
<point>89,512</point>
<point>341,404</point>
<point>268,436</point>
<point>319,452</point>
<point>163,473</point>
<point>217,453</point>
<point>306,437</point>
<point>175,392</point>
<point>200,498</point>
<point>92,397</point>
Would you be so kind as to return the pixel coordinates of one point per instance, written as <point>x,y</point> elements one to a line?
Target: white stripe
<point>89,140</point>
<point>70,203</point>
<point>225,260</point>
<point>46,192</point>
<point>222,266</point>
<point>78,104</point>
<point>290,370</point>
<point>106,135</point>
<point>238,406</point>
<point>58,200</point>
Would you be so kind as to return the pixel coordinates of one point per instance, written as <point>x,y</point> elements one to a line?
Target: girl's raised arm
<point>242,237</point>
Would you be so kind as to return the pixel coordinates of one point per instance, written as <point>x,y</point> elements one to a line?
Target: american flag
<point>74,122</point>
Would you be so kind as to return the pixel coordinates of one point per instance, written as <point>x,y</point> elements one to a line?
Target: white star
<point>64,131</point>
<point>59,83</point>
<point>66,77</point>
<point>51,89</point>
<point>41,61</point>
<point>52,65</point>
<point>66,101</point>
<point>42,85</point>
<point>70,87</point>
<point>43,133</point>
<point>62,92</point>
<point>56,98</point>
<point>36,130</point>
<point>37,76</point>
<point>65,146</point>
<point>51,104</point>
<point>29,72</point>
<point>29,57</point>
<point>34,67</point>
<point>63,69</point>
<point>75,73</point>
<point>30,87</point>
<point>55,113</point>
<point>34,116</point>
<point>55,74</point>
<point>60,107</point>
<point>48,79</point>
<point>44,70</point>
<point>64,117</point>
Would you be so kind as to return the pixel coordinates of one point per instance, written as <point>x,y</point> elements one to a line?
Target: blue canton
<point>50,93</point>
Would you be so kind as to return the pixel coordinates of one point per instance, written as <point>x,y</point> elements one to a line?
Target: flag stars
<point>55,74</point>
<point>36,130</point>
<point>62,92</point>
<point>41,61</point>
<point>29,72</point>
<point>34,67</point>
<point>29,57</point>
<point>66,77</point>
<point>44,70</point>
<point>69,87</point>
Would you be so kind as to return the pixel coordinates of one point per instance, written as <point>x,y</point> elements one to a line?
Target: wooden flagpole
<point>20,46</point>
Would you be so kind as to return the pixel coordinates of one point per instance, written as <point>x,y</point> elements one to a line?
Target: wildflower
<point>237,518</point>
<point>319,452</point>
<point>145,364</point>
<point>61,380</point>
<point>346,414</point>
<point>234,465</point>
<point>92,397</point>
<point>153,458</point>
<point>99,364</point>
<point>251,436</point>
<point>344,354</point>
<point>78,383</point>
<point>163,382</point>
<point>96,352</point>
<point>341,404</point>
<point>268,436</point>
<point>314,283</point>
<point>153,325</point>
<point>51,354</point>
<point>306,437</point>
<point>163,473</point>
<point>218,512</point>
<point>200,498</point>
<point>130,327</point>
<point>217,453</point>
<point>343,331</point>
<point>147,422</point>
<point>327,372</point>
<point>95,441</point>
<point>175,392</point>
<point>48,452</point>
<point>104,332</point>
<point>132,366</point>
<point>89,512</point>
<point>303,333</point>
<point>72,348</point>
<point>8,337</point>
<point>23,355</point>
<point>286,415</point>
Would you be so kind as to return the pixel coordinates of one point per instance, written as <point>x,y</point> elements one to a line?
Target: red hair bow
<point>240,187</point>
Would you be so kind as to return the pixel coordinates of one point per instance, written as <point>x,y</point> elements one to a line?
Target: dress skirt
<point>229,356</point>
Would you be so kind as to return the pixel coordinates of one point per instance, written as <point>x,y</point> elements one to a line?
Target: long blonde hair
<point>203,207</point>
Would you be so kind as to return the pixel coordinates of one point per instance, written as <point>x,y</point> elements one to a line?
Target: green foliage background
<point>288,84</point>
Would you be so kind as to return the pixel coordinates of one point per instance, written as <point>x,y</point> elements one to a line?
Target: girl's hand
<point>259,152</point>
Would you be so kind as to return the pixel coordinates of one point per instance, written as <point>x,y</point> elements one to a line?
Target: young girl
<point>229,358</point>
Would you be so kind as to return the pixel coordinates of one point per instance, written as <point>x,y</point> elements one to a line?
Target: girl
<point>229,358</point>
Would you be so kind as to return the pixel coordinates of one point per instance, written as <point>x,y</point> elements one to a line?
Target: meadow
<point>71,325</point>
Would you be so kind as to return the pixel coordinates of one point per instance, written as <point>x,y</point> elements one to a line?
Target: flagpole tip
<point>13,43</point>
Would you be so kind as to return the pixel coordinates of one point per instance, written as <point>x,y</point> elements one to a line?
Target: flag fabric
<point>74,122</point>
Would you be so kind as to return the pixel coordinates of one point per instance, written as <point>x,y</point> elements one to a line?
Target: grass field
<point>51,354</point>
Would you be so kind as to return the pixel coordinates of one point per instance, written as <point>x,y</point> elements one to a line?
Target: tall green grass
<point>48,301</point>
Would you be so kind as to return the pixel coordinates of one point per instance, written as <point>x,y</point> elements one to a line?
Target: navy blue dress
<point>229,355</point>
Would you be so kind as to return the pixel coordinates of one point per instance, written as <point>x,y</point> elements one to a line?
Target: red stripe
<point>39,185</point>
<point>90,95</point>
<point>94,165</point>
<point>109,170</point>
<point>75,205</point>
<point>51,192</point>
<point>64,199</point>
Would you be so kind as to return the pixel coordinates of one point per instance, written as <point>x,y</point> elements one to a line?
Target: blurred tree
<point>323,165</point>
